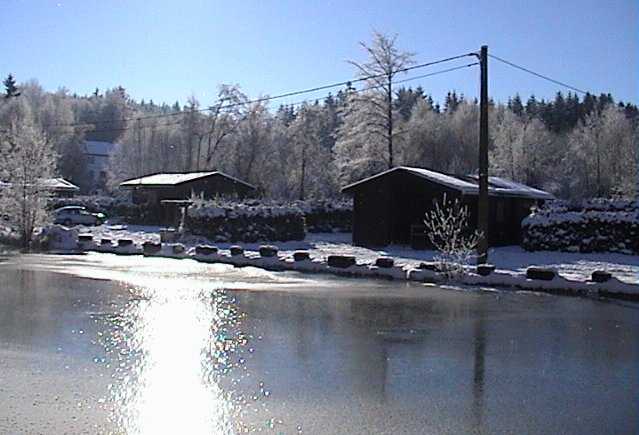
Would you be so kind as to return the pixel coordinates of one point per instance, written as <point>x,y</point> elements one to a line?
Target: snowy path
<point>507,259</point>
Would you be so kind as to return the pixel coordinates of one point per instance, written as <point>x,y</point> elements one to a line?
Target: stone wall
<point>595,226</point>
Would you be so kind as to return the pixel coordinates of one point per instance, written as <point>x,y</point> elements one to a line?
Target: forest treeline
<point>573,146</point>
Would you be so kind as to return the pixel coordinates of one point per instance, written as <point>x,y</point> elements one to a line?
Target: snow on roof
<point>513,187</point>
<point>98,148</point>
<point>59,184</point>
<point>466,185</point>
<point>51,183</point>
<point>173,179</point>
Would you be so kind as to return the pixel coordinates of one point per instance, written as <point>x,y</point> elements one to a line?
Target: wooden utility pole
<point>482,204</point>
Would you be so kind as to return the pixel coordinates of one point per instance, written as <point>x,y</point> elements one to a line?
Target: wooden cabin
<point>154,188</point>
<point>389,207</point>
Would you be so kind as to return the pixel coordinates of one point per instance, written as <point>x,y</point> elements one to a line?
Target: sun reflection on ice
<point>173,346</point>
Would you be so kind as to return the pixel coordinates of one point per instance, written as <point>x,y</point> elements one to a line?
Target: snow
<point>518,189</point>
<point>171,179</point>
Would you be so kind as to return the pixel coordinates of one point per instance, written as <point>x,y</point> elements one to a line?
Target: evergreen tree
<point>10,87</point>
<point>516,105</point>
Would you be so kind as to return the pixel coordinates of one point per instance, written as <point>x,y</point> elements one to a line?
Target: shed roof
<point>170,179</point>
<point>467,185</point>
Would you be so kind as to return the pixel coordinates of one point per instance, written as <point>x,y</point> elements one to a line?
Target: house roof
<point>467,185</point>
<point>170,179</point>
<point>98,148</point>
<point>59,184</point>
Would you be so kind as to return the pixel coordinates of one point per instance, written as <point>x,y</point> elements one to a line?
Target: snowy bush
<point>448,231</point>
<point>593,226</point>
<point>248,221</point>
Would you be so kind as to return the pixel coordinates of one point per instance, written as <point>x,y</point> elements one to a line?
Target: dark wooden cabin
<point>152,189</point>
<point>389,207</point>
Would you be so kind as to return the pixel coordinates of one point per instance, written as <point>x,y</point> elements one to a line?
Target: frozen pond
<point>102,344</point>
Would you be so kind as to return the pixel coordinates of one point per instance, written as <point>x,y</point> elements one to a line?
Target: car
<point>77,215</point>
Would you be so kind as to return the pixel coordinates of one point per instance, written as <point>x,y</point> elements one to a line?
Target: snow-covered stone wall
<point>249,221</point>
<point>327,216</point>
<point>595,226</point>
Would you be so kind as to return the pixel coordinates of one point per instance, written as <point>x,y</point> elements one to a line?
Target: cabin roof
<point>466,185</point>
<point>171,179</point>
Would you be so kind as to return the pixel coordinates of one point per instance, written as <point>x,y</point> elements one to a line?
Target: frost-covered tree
<point>313,164</point>
<point>222,121</point>
<point>602,155</point>
<point>360,149</point>
<point>27,161</point>
<point>385,61</point>
<point>427,143</point>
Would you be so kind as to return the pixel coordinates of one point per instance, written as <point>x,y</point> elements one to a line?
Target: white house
<point>97,155</point>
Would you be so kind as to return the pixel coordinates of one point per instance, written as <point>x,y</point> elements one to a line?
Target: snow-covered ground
<point>508,259</point>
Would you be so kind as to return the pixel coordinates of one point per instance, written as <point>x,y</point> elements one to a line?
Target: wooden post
<point>482,205</point>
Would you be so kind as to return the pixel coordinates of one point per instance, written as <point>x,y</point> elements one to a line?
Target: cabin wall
<point>387,207</point>
<point>371,215</point>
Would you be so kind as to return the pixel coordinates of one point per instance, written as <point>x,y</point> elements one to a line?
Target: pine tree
<point>10,87</point>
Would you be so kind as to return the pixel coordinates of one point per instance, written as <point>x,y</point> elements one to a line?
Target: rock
<point>301,256</point>
<point>540,273</point>
<point>125,242</point>
<point>268,251</point>
<point>151,247</point>
<point>236,250</point>
<point>178,248</point>
<point>205,250</point>
<point>485,269</point>
<point>105,242</point>
<point>85,238</point>
<point>384,262</point>
<point>341,261</point>
<point>601,276</point>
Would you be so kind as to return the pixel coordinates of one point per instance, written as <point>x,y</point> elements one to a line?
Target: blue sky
<point>169,50</point>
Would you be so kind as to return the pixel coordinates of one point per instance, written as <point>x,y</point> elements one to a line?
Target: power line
<point>557,82</point>
<point>268,98</point>
<point>297,103</point>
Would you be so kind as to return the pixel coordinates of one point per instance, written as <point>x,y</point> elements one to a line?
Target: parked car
<point>77,215</point>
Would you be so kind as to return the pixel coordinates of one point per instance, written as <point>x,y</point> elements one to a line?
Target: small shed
<point>60,187</point>
<point>389,207</point>
<point>154,188</point>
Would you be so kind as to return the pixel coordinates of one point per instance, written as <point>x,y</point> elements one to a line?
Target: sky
<point>169,50</point>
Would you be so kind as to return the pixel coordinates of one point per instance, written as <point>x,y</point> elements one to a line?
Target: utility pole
<point>482,204</point>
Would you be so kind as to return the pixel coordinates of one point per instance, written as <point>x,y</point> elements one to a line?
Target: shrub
<point>448,231</point>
